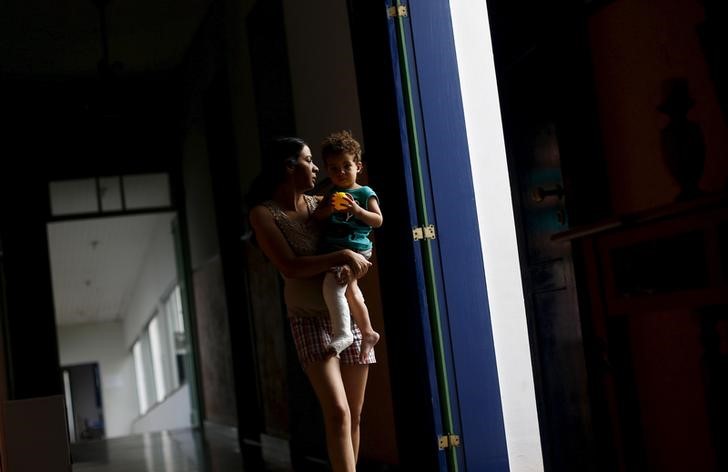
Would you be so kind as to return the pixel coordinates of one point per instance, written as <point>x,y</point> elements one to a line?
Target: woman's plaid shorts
<point>312,335</point>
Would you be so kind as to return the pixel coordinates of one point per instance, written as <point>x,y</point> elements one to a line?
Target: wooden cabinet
<point>36,435</point>
<point>654,306</point>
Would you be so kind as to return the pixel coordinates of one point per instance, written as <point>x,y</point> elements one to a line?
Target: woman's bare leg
<point>360,313</point>
<point>326,377</point>
<point>355,383</point>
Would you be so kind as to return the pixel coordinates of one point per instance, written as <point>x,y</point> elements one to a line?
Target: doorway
<point>123,334</point>
<point>84,405</point>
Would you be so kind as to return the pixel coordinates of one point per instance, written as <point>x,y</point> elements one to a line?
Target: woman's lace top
<point>301,236</point>
<point>303,296</point>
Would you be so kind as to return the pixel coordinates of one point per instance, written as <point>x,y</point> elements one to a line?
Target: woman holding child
<point>287,234</point>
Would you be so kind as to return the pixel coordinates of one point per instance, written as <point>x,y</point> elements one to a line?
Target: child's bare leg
<point>360,313</point>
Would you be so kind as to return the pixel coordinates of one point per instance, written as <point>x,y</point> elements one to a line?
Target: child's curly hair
<point>340,142</point>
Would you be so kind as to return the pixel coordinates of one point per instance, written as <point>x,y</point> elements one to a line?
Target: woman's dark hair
<point>277,154</point>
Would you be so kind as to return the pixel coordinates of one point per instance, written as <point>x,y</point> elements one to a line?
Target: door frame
<point>471,370</point>
<point>441,129</point>
<point>182,265</point>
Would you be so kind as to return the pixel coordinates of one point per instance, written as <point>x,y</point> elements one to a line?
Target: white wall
<point>172,413</point>
<point>104,343</point>
<point>498,233</point>
<point>322,71</point>
<point>155,278</point>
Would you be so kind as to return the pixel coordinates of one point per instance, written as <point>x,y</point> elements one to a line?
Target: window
<point>70,197</point>
<point>158,358</point>
<point>159,353</point>
<point>110,194</point>
<point>178,335</point>
<point>118,193</point>
<point>146,190</point>
<point>144,373</point>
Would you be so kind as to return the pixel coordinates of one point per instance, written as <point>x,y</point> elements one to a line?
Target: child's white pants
<point>335,298</point>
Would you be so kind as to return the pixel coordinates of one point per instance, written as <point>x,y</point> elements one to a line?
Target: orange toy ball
<point>339,201</point>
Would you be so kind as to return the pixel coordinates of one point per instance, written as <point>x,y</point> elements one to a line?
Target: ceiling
<point>62,38</point>
<point>95,264</point>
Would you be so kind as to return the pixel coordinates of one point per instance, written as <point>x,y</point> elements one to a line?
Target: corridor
<point>183,450</point>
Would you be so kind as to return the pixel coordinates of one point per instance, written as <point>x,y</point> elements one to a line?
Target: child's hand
<point>342,202</point>
<point>354,207</point>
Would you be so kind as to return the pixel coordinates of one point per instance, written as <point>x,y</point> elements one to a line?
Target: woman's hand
<point>358,264</point>
<point>343,275</point>
<point>324,209</point>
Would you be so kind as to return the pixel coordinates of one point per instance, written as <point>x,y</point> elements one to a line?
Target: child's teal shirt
<point>341,230</point>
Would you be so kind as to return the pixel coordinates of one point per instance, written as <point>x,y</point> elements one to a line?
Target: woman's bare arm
<point>276,248</point>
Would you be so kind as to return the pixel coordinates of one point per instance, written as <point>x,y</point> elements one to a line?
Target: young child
<point>347,221</point>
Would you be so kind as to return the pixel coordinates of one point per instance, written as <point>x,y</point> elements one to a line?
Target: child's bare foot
<point>368,341</point>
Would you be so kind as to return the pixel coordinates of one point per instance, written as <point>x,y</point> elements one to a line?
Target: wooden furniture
<point>37,435</point>
<point>653,290</point>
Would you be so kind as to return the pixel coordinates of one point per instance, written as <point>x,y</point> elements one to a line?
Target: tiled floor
<point>177,451</point>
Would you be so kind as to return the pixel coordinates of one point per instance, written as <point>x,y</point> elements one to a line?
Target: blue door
<point>434,144</point>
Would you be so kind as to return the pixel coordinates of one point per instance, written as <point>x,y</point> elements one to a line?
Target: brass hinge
<point>448,440</point>
<point>395,11</point>
<point>423,232</point>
